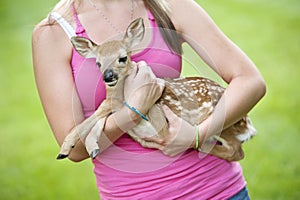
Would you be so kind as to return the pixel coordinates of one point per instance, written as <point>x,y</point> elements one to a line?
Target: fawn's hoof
<point>61,156</point>
<point>94,153</point>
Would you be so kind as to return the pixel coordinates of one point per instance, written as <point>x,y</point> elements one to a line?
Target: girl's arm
<point>245,83</point>
<point>51,50</point>
<point>51,60</point>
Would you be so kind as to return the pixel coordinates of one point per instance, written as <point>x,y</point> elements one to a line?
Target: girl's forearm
<point>239,98</point>
<point>116,125</point>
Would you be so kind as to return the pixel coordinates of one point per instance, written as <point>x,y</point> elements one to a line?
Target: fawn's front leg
<point>91,141</point>
<point>101,114</point>
<point>91,129</point>
<point>78,132</point>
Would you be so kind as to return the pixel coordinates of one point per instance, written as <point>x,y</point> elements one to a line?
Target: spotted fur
<point>193,99</point>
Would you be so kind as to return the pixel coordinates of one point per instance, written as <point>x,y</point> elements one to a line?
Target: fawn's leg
<point>150,133</point>
<point>91,141</point>
<point>79,132</point>
<point>145,134</point>
<point>68,144</point>
<point>229,149</point>
<point>95,131</point>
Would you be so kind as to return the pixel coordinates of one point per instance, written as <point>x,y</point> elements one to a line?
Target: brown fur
<point>193,99</point>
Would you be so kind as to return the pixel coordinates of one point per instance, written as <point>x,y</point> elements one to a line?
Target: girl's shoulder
<point>181,13</point>
<point>51,40</point>
<point>49,31</point>
<point>50,28</point>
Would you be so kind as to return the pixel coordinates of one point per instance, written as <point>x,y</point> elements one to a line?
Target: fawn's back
<point>191,98</point>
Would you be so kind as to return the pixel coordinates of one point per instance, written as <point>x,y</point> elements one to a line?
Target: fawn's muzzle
<point>110,77</point>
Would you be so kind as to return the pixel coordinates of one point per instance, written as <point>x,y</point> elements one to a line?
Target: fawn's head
<point>113,57</point>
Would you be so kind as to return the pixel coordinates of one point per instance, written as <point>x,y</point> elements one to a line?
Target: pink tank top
<point>126,170</point>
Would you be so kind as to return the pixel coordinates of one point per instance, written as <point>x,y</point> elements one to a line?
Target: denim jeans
<point>242,195</point>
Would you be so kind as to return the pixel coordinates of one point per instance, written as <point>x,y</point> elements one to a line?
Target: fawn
<point>191,98</point>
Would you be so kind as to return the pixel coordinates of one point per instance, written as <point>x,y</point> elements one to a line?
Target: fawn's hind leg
<point>229,149</point>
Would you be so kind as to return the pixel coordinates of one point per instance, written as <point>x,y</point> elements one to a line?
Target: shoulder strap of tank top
<point>69,30</point>
<point>66,26</point>
<point>150,16</point>
<point>79,28</point>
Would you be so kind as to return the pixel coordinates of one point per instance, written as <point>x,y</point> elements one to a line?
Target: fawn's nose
<point>109,76</point>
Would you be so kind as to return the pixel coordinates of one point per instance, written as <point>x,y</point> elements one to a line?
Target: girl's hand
<point>142,89</point>
<point>182,135</point>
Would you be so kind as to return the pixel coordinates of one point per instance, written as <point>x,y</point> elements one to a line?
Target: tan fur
<point>193,98</point>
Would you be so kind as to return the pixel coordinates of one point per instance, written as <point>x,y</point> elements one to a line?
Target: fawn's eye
<point>123,59</point>
<point>98,64</point>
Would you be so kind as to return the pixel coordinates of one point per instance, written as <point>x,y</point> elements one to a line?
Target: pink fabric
<point>88,78</point>
<point>128,171</point>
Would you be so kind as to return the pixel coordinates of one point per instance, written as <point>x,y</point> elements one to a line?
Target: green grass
<point>28,168</point>
<point>268,31</point>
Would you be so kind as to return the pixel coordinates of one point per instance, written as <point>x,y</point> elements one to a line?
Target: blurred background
<point>268,31</point>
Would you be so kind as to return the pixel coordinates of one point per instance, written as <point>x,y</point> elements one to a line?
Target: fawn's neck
<point>116,92</point>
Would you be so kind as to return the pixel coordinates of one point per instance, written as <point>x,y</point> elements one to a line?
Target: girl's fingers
<point>170,115</point>
<point>155,139</point>
<point>142,63</point>
<point>145,69</point>
<point>134,70</point>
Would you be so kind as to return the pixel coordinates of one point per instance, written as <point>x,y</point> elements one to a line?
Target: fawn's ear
<point>134,33</point>
<point>84,46</point>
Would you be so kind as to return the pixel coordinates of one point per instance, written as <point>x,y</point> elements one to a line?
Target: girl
<point>71,89</point>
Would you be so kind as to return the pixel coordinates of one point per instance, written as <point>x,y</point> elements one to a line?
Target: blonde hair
<point>159,9</point>
<point>63,4</point>
<point>64,7</point>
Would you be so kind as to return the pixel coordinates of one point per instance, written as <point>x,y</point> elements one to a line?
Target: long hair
<point>158,8</point>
